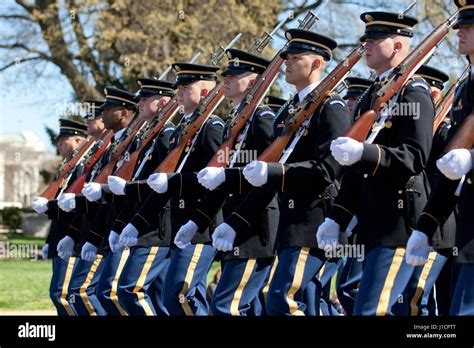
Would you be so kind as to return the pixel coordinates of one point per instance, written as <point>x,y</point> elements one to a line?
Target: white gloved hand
<point>92,191</point>
<point>417,249</point>
<point>67,201</point>
<point>327,235</point>
<point>40,205</point>
<point>211,177</point>
<point>44,251</point>
<point>346,151</point>
<point>89,252</point>
<point>256,173</point>
<point>65,247</point>
<point>455,163</point>
<point>114,242</point>
<point>116,185</point>
<point>128,237</point>
<point>223,237</point>
<point>185,234</point>
<point>158,182</point>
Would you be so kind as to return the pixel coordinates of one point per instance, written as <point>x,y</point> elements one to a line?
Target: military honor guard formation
<point>361,204</point>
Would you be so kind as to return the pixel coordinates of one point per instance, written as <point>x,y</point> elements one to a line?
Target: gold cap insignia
<point>369,18</point>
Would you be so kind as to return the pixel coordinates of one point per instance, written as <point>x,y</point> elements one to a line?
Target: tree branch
<point>26,48</point>
<point>26,6</point>
<point>15,16</point>
<point>15,62</point>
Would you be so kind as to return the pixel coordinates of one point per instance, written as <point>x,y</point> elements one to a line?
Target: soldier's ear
<point>316,63</point>
<point>397,47</point>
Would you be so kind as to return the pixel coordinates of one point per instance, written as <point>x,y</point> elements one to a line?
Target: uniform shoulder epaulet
<point>265,110</point>
<point>168,127</point>
<point>216,121</point>
<point>333,99</point>
<point>416,82</point>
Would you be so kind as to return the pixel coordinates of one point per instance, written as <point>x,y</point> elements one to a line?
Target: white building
<point>22,157</point>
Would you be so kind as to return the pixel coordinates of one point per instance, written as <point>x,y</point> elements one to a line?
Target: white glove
<point>455,163</point>
<point>256,173</point>
<point>417,249</point>
<point>223,237</point>
<point>128,237</point>
<point>158,182</point>
<point>65,247</point>
<point>114,242</point>
<point>347,151</point>
<point>116,185</point>
<point>40,205</point>
<point>67,201</point>
<point>185,234</point>
<point>328,235</point>
<point>89,252</point>
<point>44,251</point>
<point>211,177</point>
<point>92,191</point>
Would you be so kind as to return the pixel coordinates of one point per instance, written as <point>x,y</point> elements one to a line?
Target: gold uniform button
<point>388,124</point>
<point>469,181</point>
<point>366,176</point>
<point>400,192</point>
<point>186,149</point>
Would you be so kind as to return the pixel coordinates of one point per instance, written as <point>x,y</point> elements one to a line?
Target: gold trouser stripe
<point>188,279</point>
<point>234,306</point>
<point>272,272</point>
<point>384,300</point>
<point>282,178</point>
<point>83,290</point>
<point>321,271</point>
<point>141,280</point>
<point>297,279</point>
<point>67,280</point>
<point>420,286</point>
<point>113,291</point>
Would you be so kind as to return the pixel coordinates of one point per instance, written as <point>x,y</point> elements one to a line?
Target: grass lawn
<point>24,284</point>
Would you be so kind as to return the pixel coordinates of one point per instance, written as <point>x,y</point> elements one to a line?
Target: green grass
<point>24,284</point>
<point>16,238</point>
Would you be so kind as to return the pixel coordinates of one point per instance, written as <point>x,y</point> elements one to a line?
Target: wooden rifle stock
<point>398,77</point>
<point>126,169</point>
<point>445,105</point>
<point>443,109</point>
<point>309,105</point>
<point>53,188</point>
<point>101,178</point>
<point>464,137</point>
<point>77,185</point>
<point>221,157</point>
<point>170,162</point>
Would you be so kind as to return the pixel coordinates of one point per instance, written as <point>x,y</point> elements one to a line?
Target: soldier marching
<point>157,188</point>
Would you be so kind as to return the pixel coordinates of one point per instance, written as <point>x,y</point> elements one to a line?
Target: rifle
<point>92,157</point>
<point>159,120</point>
<point>53,188</point>
<point>444,105</point>
<point>199,116</point>
<point>254,97</point>
<point>309,105</point>
<point>398,77</point>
